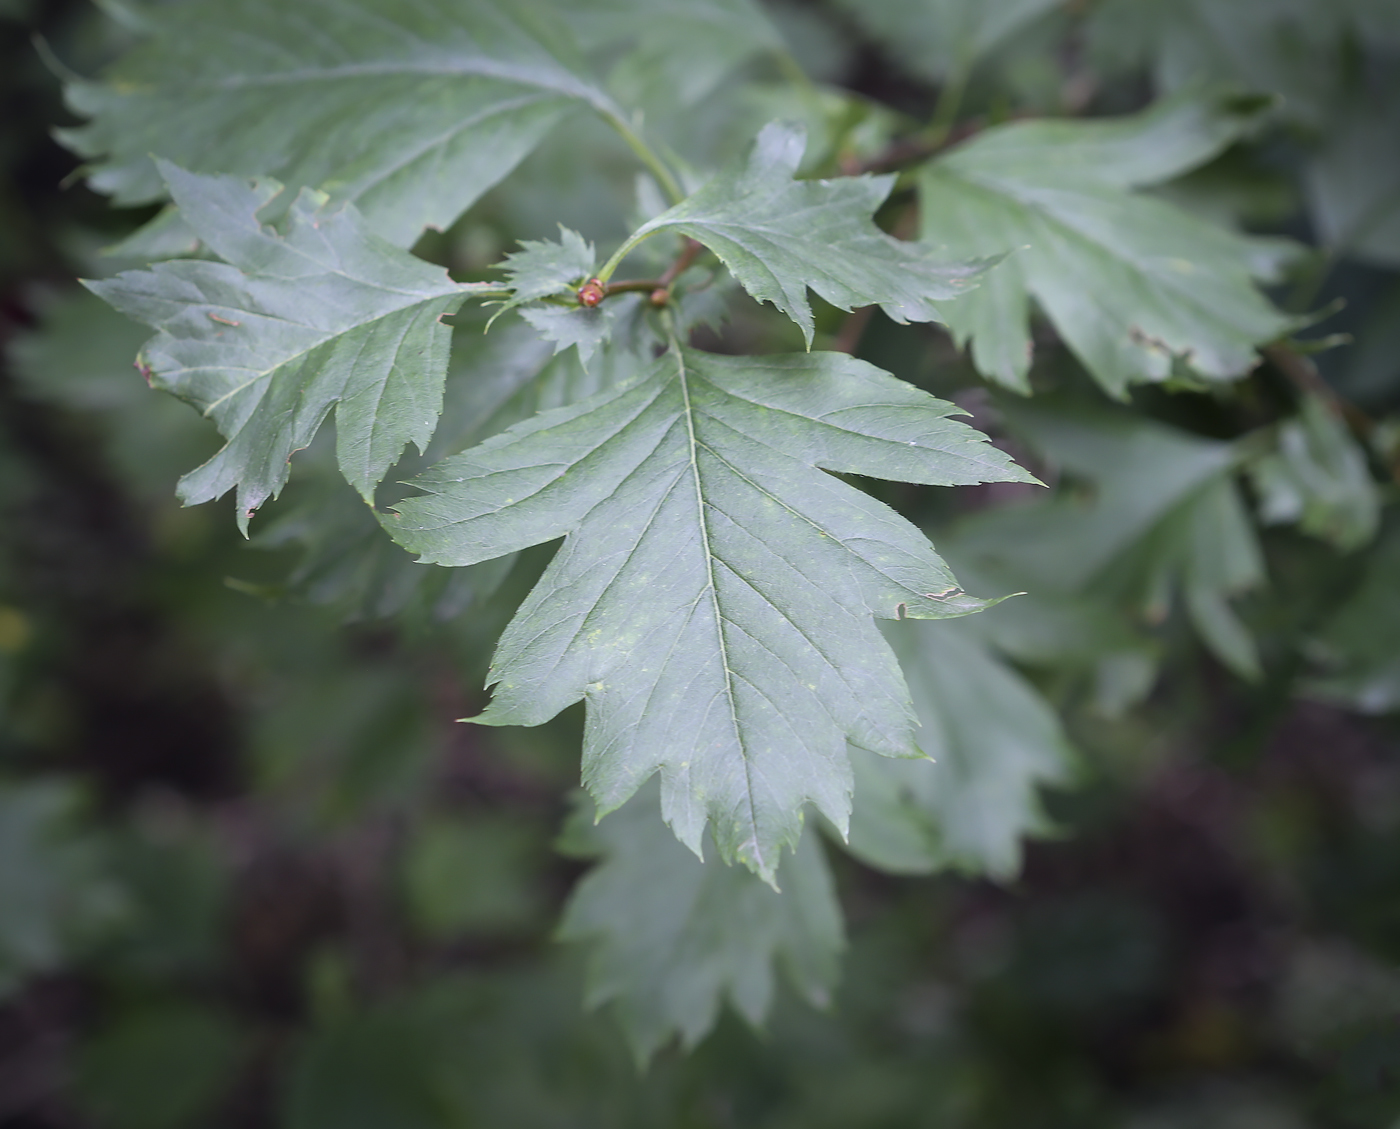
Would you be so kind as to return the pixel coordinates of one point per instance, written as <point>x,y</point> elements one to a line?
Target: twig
<point>595,290</point>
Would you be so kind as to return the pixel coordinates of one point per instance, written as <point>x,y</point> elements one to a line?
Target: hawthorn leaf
<point>1318,477</point>
<point>1353,180</point>
<point>939,38</point>
<point>714,596</point>
<point>671,938</point>
<point>580,327</point>
<point>291,323</point>
<point>543,268</point>
<point>992,741</point>
<point>779,236</point>
<point>1163,518</point>
<point>1356,651</point>
<point>412,111</point>
<point>1133,284</point>
<point>684,47</point>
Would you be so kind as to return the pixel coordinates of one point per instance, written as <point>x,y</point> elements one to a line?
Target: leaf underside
<point>294,322</point>
<point>713,599</point>
<point>1133,284</point>
<point>672,938</point>
<point>412,111</point>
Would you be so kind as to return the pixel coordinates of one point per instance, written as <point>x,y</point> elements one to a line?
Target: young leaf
<point>1132,284</point>
<point>410,110</point>
<point>778,236</point>
<point>543,268</point>
<point>294,322</point>
<point>713,599</point>
<point>992,740</point>
<point>671,937</point>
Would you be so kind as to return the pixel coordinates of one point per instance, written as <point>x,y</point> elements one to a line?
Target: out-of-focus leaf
<point>1131,283</point>
<point>412,111</point>
<point>347,562</point>
<point>56,895</point>
<point>780,237</point>
<point>1359,648</point>
<point>319,314</point>
<point>1319,479</point>
<point>939,38</point>
<point>1286,47</point>
<point>471,874</point>
<point>713,600</point>
<point>992,741</point>
<point>80,356</point>
<point>671,938</point>
<point>162,1066</point>
<point>1353,179</point>
<point>1161,516</point>
<point>685,47</point>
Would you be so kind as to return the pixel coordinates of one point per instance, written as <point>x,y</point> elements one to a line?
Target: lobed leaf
<point>671,938</point>
<point>939,38</point>
<point>292,323</point>
<point>779,236</point>
<point>714,595</point>
<point>412,111</point>
<point>991,740</point>
<point>1132,284</point>
<point>1318,477</point>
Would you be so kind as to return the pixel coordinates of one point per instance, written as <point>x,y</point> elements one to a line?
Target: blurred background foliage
<point>253,874</point>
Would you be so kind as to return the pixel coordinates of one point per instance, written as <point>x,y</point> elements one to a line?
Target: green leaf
<point>410,110</point>
<point>1132,284</point>
<point>1163,517</point>
<point>779,236</point>
<point>685,47</point>
<point>1353,180</point>
<point>992,740</point>
<point>1318,478</point>
<point>543,268</point>
<point>1357,649</point>
<point>55,894</point>
<point>671,937</point>
<point>319,314</point>
<point>939,38</point>
<point>713,599</point>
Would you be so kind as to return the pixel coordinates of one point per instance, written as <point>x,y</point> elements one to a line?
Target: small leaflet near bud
<point>591,293</point>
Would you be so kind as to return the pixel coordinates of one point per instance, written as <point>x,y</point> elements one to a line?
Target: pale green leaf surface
<point>1132,284</point>
<point>685,47</point>
<point>779,237</point>
<point>410,110</point>
<point>939,38</point>
<point>582,328</point>
<point>1318,478</point>
<point>713,599</point>
<point>671,938</point>
<point>992,740</point>
<point>542,268</point>
<point>294,322</point>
